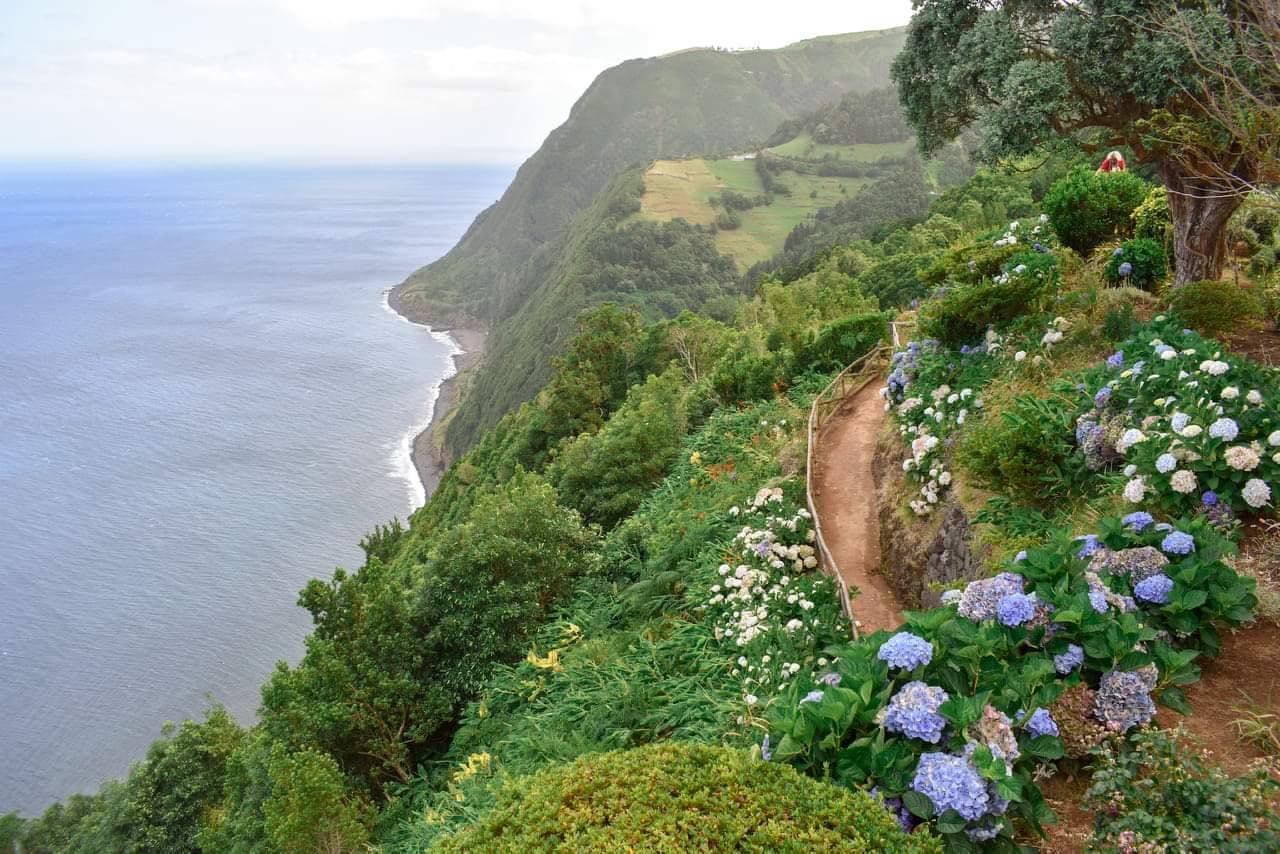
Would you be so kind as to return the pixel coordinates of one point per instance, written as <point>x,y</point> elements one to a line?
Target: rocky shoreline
<point>468,341</point>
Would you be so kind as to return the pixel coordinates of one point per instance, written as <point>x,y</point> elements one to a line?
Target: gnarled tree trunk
<point>1199,207</point>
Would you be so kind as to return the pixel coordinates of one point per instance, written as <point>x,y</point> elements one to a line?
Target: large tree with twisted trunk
<point>1146,74</point>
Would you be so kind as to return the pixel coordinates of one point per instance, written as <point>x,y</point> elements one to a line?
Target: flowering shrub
<point>963,312</point>
<point>953,715</point>
<point>930,392</point>
<point>1162,796</point>
<point>1195,428</point>
<point>1140,263</point>
<point>769,595</point>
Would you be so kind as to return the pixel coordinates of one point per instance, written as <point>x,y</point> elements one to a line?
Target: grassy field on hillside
<point>804,147</point>
<point>683,188</point>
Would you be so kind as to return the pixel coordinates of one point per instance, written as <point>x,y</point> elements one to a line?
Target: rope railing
<point>849,381</point>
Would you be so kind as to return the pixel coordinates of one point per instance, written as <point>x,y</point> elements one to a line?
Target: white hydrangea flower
<point>1020,355</point>
<point>1183,481</point>
<point>1256,493</point>
<point>1230,393</point>
<point>1242,458</point>
<point>1254,397</point>
<point>1130,470</point>
<point>1131,437</point>
<point>751,699</point>
<point>1135,490</point>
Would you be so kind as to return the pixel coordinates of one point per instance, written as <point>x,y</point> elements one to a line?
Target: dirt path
<point>844,492</point>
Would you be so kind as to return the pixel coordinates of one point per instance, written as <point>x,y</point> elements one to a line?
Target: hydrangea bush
<point>1194,429</point>
<point>770,606</point>
<point>931,394</point>
<point>951,717</point>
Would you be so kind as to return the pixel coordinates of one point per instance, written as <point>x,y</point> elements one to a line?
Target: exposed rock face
<point>917,556</point>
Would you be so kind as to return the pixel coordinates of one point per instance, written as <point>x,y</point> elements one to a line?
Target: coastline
<point>468,347</point>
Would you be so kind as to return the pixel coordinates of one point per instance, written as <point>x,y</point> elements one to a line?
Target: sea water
<point>204,402</point>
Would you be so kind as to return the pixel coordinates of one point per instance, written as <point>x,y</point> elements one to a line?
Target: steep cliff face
<point>693,102</point>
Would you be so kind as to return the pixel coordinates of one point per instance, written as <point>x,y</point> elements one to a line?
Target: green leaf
<point>1045,747</point>
<point>951,822</point>
<point>1174,699</point>
<point>917,804</point>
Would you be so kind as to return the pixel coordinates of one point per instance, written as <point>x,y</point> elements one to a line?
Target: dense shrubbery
<point>676,797</point>
<point>1139,262</point>
<point>1025,451</point>
<point>1159,795</point>
<point>840,342</point>
<point>962,314</point>
<point>1088,209</point>
<point>605,475</point>
<point>1213,308</point>
<point>397,649</point>
<point>950,717</point>
<point>1194,428</point>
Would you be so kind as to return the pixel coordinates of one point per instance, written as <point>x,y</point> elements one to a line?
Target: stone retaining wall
<point>917,554</point>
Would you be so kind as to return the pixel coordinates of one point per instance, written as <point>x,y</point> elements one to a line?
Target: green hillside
<point>692,102</point>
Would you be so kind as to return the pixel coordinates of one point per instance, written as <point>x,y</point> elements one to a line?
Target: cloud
<point>421,79</point>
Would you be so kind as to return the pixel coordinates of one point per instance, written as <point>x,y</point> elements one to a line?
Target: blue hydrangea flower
<point>1100,399</point>
<point>1015,609</point>
<point>766,749</point>
<point>1139,521</point>
<point>1209,499</point>
<point>1089,545</point>
<point>831,679</point>
<point>913,711</point>
<point>812,697</point>
<point>980,597</point>
<point>1124,699</point>
<point>1126,269</point>
<point>1166,463</point>
<point>1161,349</point>
<point>951,782</point>
<point>1098,599</point>
<point>1020,556</point>
<point>1042,723</point>
<point>1178,543</point>
<point>1138,367</point>
<point>1224,428</point>
<point>905,651</point>
<point>1116,359</point>
<point>1154,590</point>
<point>1068,661</point>
<point>1179,421</point>
<point>983,832</point>
<point>1117,252</point>
<point>952,597</point>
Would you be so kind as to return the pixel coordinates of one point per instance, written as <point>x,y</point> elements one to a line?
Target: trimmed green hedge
<point>682,797</point>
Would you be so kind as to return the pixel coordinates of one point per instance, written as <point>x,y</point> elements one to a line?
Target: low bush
<point>1140,262</point>
<point>1212,308</point>
<point>962,314</point>
<point>1158,794</point>
<point>1087,209</point>
<point>895,281</point>
<point>746,374</point>
<point>1025,451</point>
<point>842,341</point>
<point>675,797</point>
<point>1151,219</point>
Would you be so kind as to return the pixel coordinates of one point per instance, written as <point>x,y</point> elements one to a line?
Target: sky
<point>345,80</point>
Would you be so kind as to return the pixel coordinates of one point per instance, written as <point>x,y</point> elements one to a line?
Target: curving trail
<point>844,494</point>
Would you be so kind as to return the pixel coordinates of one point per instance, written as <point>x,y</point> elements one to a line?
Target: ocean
<point>204,402</point>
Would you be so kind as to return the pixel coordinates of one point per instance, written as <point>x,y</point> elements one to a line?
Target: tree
<point>398,648</point>
<point>1094,73</point>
